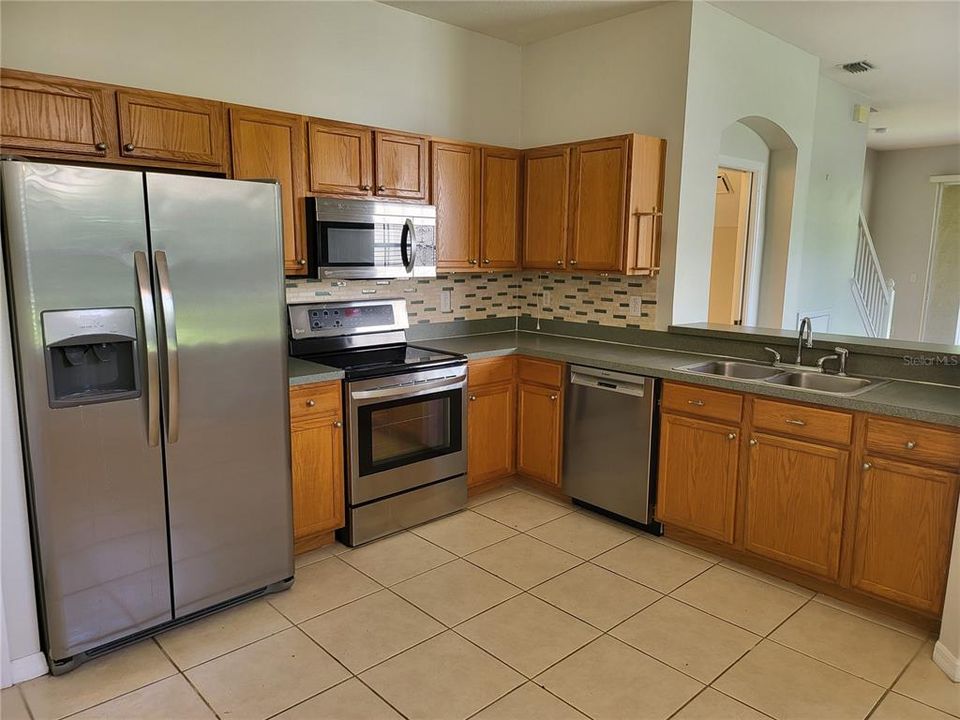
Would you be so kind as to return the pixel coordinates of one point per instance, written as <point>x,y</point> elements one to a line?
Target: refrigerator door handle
<point>170,347</point>
<point>150,342</point>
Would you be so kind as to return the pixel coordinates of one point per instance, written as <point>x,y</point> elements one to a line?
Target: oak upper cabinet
<point>491,420</point>
<point>795,496</point>
<point>270,145</point>
<point>546,197</point>
<point>54,115</point>
<point>316,450</point>
<point>500,182</point>
<point>455,183</point>
<point>645,205</point>
<point>599,189</point>
<point>401,165</point>
<point>697,487</point>
<point>341,158</point>
<point>157,126</point>
<point>539,419</point>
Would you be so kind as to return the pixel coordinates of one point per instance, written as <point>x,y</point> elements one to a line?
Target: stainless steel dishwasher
<point>608,442</point>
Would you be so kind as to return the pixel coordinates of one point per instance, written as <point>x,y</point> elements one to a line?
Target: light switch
<point>446,301</point>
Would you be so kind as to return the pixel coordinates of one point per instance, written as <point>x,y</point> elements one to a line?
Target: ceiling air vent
<point>854,68</point>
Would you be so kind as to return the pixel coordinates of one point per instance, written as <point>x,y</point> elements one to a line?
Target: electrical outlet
<point>636,306</point>
<point>446,301</point>
<point>547,298</point>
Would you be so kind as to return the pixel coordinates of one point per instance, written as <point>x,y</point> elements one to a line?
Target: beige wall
<point>901,222</point>
<point>624,75</point>
<point>358,61</point>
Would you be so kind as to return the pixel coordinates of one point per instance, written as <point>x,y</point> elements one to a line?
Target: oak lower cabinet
<point>158,126</point>
<point>539,419</point>
<point>697,487</point>
<point>316,451</point>
<point>904,530</point>
<point>491,421</point>
<point>795,494</point>
<point>54,114</point>
<point>270,145</point>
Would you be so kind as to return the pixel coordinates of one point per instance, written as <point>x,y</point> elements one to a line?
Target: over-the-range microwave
<point>371,239</point>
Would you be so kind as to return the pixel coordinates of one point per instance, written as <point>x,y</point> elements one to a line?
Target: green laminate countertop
<point>899,398</point>
<point>304,372</point>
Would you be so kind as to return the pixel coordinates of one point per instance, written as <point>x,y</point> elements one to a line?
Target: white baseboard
<point>947,661</point>
<point>28,667</point>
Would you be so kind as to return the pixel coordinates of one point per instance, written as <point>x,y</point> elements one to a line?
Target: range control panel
<point>347,318</point>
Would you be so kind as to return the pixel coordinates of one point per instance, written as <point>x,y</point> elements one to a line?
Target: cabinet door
<point>599,205</point>
<point>155,126</point>
<point>546,194</point>
<point>795,500</point>
<point>697,483</point>
<point>905,521</point>
<point>401,165</point>
<point>455,185</point>
<point>317,473</point>
<point>340,159</point>
<point>53,115</point>
<point>500,209</point>
<point>491,432</point>
<point>645,223</point>
<point>539,416</point>
<point>270,145</point>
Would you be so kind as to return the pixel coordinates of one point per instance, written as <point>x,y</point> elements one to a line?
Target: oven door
<point>405,431</point>
<point>349,249</point>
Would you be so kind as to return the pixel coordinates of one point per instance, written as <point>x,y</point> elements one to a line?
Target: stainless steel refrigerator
<point>150,350</point>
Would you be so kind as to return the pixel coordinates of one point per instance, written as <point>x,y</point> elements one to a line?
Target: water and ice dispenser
<point>91,356</point>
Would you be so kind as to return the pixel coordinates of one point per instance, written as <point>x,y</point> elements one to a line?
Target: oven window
<point>347,244</point>
<point>403,432</point>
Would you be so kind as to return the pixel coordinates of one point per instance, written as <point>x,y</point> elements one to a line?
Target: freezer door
<point>95,482</point>
<point>218,274</point>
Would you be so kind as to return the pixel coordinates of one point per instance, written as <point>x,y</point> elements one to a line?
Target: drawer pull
<point>910,445</point>
<point>698,403</point>
<point>794,421</point>
<point>731,436</point>
<point>311,403</point>
<point>867,466</point>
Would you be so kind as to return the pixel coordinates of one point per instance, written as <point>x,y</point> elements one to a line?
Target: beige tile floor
<point>519,608</point>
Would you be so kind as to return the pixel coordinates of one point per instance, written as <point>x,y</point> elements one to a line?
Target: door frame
<point>940,181</point>
<point>755,233</point>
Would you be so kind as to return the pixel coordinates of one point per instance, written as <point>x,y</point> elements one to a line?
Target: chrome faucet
<point>840,357</point>
<point>806,333</point>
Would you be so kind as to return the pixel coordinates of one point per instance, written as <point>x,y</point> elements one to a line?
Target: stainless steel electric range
<point>404,409</point>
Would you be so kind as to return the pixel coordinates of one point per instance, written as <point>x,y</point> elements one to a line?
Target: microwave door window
<point>361,244</point>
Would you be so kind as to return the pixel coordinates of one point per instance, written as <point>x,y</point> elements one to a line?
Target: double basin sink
<point>797,379</point>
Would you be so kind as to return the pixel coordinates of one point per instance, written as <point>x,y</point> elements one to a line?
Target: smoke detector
<point>857,67</point>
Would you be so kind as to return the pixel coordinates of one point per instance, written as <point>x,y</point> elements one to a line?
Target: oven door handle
<point>409,390</point>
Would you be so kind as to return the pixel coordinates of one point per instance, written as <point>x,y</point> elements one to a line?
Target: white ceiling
<point>915,46</point>
<point>521,21</point>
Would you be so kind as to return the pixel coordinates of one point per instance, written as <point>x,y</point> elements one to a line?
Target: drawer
<point>491,370</point>
<point>691,400</point>
<point>919,443</point>
<point>804,422</point>
<point>542,372</point>
<point>307,401</point>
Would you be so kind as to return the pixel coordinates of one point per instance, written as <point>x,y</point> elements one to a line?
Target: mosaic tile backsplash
<point>573,298</point>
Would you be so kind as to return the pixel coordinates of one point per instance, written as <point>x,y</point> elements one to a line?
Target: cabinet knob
<point>338,423</point>
<point>100,146</point>
<point>301,261</point>
<point>472,261</point>
<point>910,445</point>
<point>573,262</point>
<point>753,441</point>
<point>129,147</point>
<point>560,262</point>
<point>472,398</point>
<point>486,261</point>
<point>311,403</point>
<point>731,436</point>
<point>381,188</point>
<point>553,397</point>
<point>365,188</point>
<point>867,466</point>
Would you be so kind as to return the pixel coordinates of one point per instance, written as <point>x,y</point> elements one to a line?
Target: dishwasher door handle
<point>616,385</point>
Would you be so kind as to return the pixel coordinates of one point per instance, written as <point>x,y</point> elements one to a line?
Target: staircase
<point>872,292</point>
